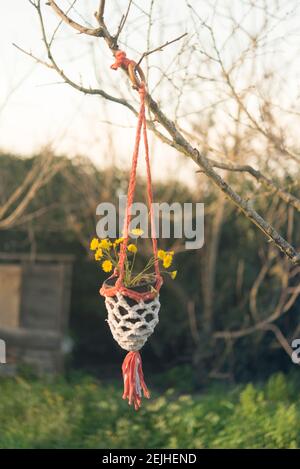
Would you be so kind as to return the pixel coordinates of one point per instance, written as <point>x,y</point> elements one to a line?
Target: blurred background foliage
<point>232,283</point>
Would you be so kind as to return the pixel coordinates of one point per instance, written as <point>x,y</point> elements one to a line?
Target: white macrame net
<point>131,325</point>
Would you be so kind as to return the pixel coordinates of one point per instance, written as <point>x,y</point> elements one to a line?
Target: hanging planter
<point>132,303</point>
<point>131,321</point>
<point>132,298</point>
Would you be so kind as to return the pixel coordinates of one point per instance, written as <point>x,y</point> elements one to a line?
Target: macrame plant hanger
<point>133,315</point>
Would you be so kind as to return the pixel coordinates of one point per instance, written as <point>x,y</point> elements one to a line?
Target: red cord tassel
<point>134,382</point>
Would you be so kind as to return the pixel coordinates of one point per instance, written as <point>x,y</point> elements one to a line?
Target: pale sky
<point>43,110</point>
<point>36,108</point>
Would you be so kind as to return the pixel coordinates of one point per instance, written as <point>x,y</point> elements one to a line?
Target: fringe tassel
<point>133,378</point>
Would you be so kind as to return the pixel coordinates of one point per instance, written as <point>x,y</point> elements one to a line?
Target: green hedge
<point>83,413</point>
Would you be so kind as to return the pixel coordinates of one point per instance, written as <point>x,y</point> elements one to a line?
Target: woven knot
<point>121,60</point>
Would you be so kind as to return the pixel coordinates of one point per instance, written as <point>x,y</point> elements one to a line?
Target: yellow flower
<point>94,244</point>
<point>132,248</point>
<point>167,260</point>
<point>118,241</point>
<point>137,232</point>
<point>161,254</point>
<point>105,244</point>
<point>173,274</point>
<point>107,266</point>
<point>98,254</point>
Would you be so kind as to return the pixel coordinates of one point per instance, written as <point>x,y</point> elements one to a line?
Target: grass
<point>83,413</point>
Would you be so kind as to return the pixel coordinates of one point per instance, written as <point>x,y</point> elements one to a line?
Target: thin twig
<point>160,48</point>
<point>60,23</point>
<point>123,21</point>
<point>34,57</point>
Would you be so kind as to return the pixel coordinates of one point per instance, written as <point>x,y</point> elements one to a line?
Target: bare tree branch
<point>280,337</point>
<point>193,321</point>
<point>182,145</point>
<point>37,178</point>
<point>268,183</point>
<point>97,32</point>
<point>100,13</point>
<point>261,325</point>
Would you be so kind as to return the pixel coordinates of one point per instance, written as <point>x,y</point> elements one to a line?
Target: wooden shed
<point>34,310</point>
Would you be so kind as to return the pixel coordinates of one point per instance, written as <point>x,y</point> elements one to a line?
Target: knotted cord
<point>136,330</point>
<point>124,62</point>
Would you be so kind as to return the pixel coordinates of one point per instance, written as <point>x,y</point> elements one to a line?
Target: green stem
<point>133,261</point>
<point>139,276</point>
